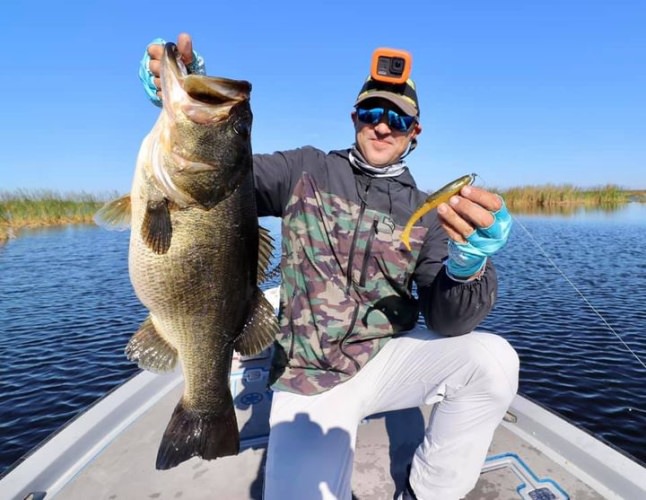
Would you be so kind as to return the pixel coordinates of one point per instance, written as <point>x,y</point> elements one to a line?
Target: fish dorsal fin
<point>265,251</point>
<point>156,228</point>
<point>150,350</point>
<point>115,214</point>
<point>260,329</point>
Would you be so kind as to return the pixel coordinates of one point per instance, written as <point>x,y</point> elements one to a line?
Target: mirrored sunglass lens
<point>399,122</point>
<point>395,120</point>
<point>371,116</point>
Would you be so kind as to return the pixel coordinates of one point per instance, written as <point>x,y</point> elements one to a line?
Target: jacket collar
<point>405,178</point>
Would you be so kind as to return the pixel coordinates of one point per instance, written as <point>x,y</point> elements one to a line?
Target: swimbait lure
<point>442,195</point>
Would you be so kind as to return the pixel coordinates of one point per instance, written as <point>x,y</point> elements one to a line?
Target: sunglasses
<point>401,123</point>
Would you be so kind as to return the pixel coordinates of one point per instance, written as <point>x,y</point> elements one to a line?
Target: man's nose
<point>382,127</point>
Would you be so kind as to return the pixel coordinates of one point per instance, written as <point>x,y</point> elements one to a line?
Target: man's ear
<point>417,129</point>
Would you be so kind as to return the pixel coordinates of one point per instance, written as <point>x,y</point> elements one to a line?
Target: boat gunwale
<point>65,453</point>
<point>605,468</point>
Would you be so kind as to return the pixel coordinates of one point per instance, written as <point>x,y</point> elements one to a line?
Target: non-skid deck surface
<point>385,445</point>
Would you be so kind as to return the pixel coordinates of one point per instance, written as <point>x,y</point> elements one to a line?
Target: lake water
<point>67,310</point>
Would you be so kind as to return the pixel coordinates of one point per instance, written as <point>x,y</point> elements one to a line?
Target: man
<point>349,344</point>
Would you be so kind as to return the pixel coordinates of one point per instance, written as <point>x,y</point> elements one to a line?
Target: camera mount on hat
<point>391,65</point>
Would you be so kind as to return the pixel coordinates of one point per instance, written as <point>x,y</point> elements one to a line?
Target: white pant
<point>473,378</point>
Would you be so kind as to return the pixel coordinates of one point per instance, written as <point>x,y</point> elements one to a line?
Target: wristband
<point>467,259</point>
<point>464,260</point>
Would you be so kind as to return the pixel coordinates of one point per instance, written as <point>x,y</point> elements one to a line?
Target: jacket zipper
<point>366,259</point>
<point>362,211</point>
<point>353,246</point>
<point>355,236</point>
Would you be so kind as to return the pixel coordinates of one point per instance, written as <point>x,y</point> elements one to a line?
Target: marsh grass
<point>552,196</point>
<point>23,208</point>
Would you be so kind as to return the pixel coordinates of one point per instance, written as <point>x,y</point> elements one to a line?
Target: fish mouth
<point>212,91</point>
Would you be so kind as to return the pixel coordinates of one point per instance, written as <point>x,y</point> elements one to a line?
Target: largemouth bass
<point>197,254</point>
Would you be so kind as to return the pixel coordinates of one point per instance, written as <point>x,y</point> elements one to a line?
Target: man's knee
<point>499,364</point>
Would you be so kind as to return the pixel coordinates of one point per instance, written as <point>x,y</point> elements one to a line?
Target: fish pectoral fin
<point>150,350</point>
<point>115,214</point>
<point>265,251</point>
<point>156,229</point>
<point>260,329</point>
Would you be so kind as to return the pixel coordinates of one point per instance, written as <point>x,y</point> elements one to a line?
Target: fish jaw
<point>202,146</point>
<point>198,99</point>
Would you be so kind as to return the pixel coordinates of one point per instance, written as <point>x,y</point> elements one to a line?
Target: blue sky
<point>520,92</point>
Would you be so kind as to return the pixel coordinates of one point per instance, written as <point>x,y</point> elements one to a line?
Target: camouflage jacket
<point>346,277</point>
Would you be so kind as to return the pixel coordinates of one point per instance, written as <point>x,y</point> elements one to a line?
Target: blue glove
<point>196,67</point>
<point>467,259</point>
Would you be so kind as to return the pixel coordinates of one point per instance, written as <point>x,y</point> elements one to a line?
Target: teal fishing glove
<point>196,67</point>
<point>467,259</point>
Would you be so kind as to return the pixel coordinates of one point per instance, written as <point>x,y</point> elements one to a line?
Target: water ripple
<point>68,310</point>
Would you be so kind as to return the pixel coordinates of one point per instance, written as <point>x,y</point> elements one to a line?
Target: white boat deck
<point>126,469</point>
<point>109,452</point>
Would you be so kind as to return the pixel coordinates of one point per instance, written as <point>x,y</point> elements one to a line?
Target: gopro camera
<point>391,65</point>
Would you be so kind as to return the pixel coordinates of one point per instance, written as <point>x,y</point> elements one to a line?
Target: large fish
<point>197,254</point>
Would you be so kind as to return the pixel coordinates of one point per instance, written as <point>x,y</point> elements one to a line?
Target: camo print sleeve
<point>275,174</point>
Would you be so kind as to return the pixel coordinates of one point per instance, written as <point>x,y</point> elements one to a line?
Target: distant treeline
<point>23,208</point>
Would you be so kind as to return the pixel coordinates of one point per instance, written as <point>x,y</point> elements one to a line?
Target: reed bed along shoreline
<point>550,195</point>
<point>567,199</point>
<point>23,208</point>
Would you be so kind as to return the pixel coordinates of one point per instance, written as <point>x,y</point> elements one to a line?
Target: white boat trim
<point>61,457</point>
<point>608,471</point>
<point>57,462</point>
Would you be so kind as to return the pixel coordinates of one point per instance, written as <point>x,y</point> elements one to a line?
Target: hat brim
<point>400,101</point>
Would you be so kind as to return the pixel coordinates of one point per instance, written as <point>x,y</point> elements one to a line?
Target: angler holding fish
<point>350,344</point>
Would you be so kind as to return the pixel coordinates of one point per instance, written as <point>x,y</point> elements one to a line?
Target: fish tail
<point>190,433</point>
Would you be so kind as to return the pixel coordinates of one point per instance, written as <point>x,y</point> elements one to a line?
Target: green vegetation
<point>565,198</point>
<point>44,208</point>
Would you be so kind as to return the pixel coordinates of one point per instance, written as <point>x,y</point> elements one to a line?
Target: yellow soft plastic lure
<point>434,199</point>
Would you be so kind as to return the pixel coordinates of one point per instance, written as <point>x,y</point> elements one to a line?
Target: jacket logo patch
<point>386,225</point>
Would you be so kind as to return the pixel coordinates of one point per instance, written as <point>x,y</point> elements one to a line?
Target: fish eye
<point>241,127</point>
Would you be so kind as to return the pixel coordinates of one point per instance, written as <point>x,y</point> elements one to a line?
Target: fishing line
<point>549,259</point>
<point>538,245</point>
